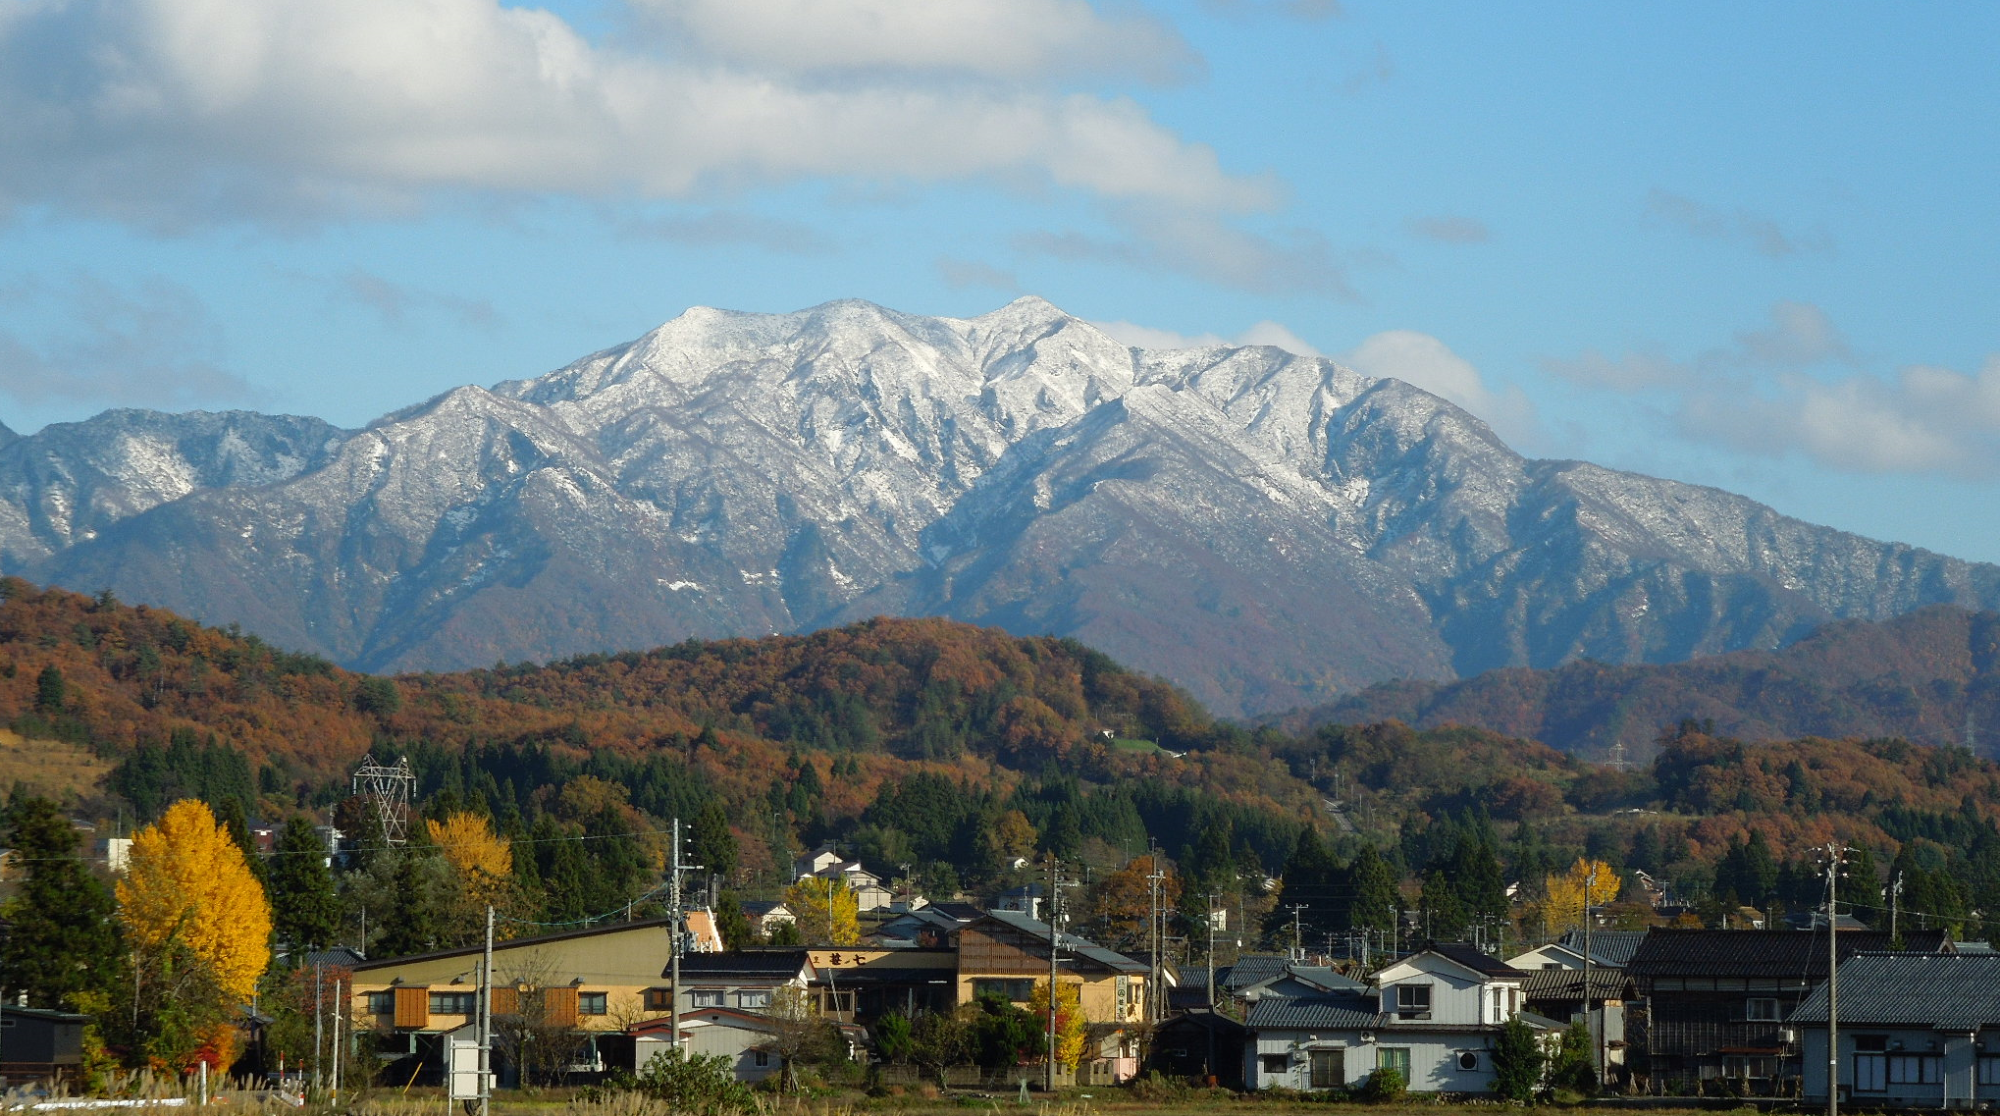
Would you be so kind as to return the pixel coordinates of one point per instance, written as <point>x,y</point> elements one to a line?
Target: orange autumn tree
<point>200,927</point>
<point>828,910</point>
<point>1563,909</point>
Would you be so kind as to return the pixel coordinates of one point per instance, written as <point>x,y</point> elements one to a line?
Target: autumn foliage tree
<point>1072,1029</point>
<point>481,866</point>
<point>827,909</point>
<point>200,928</point>
<point>1588,880</point>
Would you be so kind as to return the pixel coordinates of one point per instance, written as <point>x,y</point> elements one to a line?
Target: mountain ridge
<point>1267,529</point>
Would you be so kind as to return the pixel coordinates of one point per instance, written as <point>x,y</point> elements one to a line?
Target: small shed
<point>37,1044</point>
<point>1198,1045</point>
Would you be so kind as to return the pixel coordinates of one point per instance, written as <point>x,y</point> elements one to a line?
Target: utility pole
<point>1208,915</point>
<point>1298,939</point>
<point>1589,883</point>
<point>1055,952</point>
<point>486,1021</point>
<point>1895,897</point>
<point>674,932</point>
<point>319,1020</point>
<point>1836,861</point>
<point>1153,936</point>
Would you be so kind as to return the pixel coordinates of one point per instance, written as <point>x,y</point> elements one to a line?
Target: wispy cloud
<point>717,228</point>
<point>1200,245</point>
<point>1795,386</point>
<point>154,344</point>
<point>397,303</point>
<point>960,274</point>
<point>1450,230</point>
<point>1737,226</point>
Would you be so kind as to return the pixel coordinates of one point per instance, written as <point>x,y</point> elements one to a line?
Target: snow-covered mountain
<point>1266,529</point>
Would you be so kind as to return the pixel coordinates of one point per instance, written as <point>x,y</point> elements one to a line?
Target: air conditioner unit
<point>1367,1036</point>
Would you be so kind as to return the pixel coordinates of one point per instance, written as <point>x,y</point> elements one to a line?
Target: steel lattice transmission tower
<point>387,788</point>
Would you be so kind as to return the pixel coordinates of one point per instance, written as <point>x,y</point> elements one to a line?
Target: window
<point>590,1003</point>
<point>1394,1057</point>
<point>454,1003</point>
<point>761,1058</point>
<point>1760,1010</point>
<point>1913,1069</point>
<point>381,1003</point>
<point>1871,1073</point>
<point>1013,991</point>
<point>1468,1060</point>
<point>1989,1069</point>
<point>1413,1001</point>
<point>1273,1064</point>
<point>1329,1069</point>
<point>659,999</point>
<point>758,999</point>
<point>706,997</point>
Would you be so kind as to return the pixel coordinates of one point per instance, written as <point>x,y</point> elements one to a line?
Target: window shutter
<point>559,1004</point>
<point>413,1007</point>
<point>506,1001</point>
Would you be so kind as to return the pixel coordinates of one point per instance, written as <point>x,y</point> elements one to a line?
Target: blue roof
<point>1348,1011</point>
<point>1957,992</point>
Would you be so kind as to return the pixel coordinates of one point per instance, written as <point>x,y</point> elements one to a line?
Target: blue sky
<point>1754,246</point>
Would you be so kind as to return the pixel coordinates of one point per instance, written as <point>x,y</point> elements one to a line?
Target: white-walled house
<point>1917,1030</point>
<point>1434,1016</point>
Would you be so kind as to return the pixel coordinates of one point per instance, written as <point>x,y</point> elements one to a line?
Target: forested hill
<point>1929,676</point>
<point>940,749</point>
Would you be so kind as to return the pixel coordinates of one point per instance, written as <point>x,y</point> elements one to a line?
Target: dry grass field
<point>49,767</point>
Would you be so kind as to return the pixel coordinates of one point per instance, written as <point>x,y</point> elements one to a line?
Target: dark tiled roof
<point>1334,1012</point>
<point>1071,944</point>
<point>963,912</point>
<point>1761,953</point>
<point>339,957</point>
<point>1201,1020</point>
<point>745,965</point>
<point>44,1013</point>
<point>1470,956</point>
<point>1613,947</point>
<point>1951,992</point>
<point>1567,984</point>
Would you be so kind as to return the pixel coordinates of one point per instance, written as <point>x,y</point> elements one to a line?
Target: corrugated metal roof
<point>1337,1012</point>
<point>1472,957</point>
<point>1951,992</point>
<point>1567,984</point>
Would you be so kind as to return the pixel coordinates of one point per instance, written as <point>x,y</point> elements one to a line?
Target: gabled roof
<point>44,1013</point>
<point>1567,984</point>
<point>1607,947</point>
<point>1331,1012</point>
<point>521,943</point>
<point>1469,956</point>
<point>746,966</point>
<point>1959,993</point>
<point>757,908</point>
<point>728,1017</point>
<point>339,957</point>
<point>1778,954</point>
<point>1070,943</point>
<point>963,912</point>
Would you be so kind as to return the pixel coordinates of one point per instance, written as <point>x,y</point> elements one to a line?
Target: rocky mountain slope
<point>1266,529</point>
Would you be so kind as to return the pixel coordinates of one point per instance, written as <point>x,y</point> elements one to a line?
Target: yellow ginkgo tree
<point>1587,881</point>
<point>1072,1029</point>
<point>199,926</point>
<point>481,862</point>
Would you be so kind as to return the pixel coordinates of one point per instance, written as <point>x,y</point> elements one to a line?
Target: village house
<point>1717,1000</point>
<point>1006,953</point>
<point>1433,1017</point>
<point>1917,1030</point>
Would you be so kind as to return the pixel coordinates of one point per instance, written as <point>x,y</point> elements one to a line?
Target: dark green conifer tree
<point>305,913</point>
<point>62,932</point>
<point>412,923</point>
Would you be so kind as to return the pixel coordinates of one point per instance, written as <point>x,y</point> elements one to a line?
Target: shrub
<point>1517,1062</point>
<point>1385,1086</point>
<point>695,1084</point>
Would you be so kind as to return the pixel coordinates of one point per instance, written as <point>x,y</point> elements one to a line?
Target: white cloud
<point>1756,232</point>
<point>189,111</point>
<point>1757,396</point>
<point>154,345</point>
<point>1925,420</point>
<point>1263,333</point>
<point>1424,361</point>
<point>1014,40</point>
